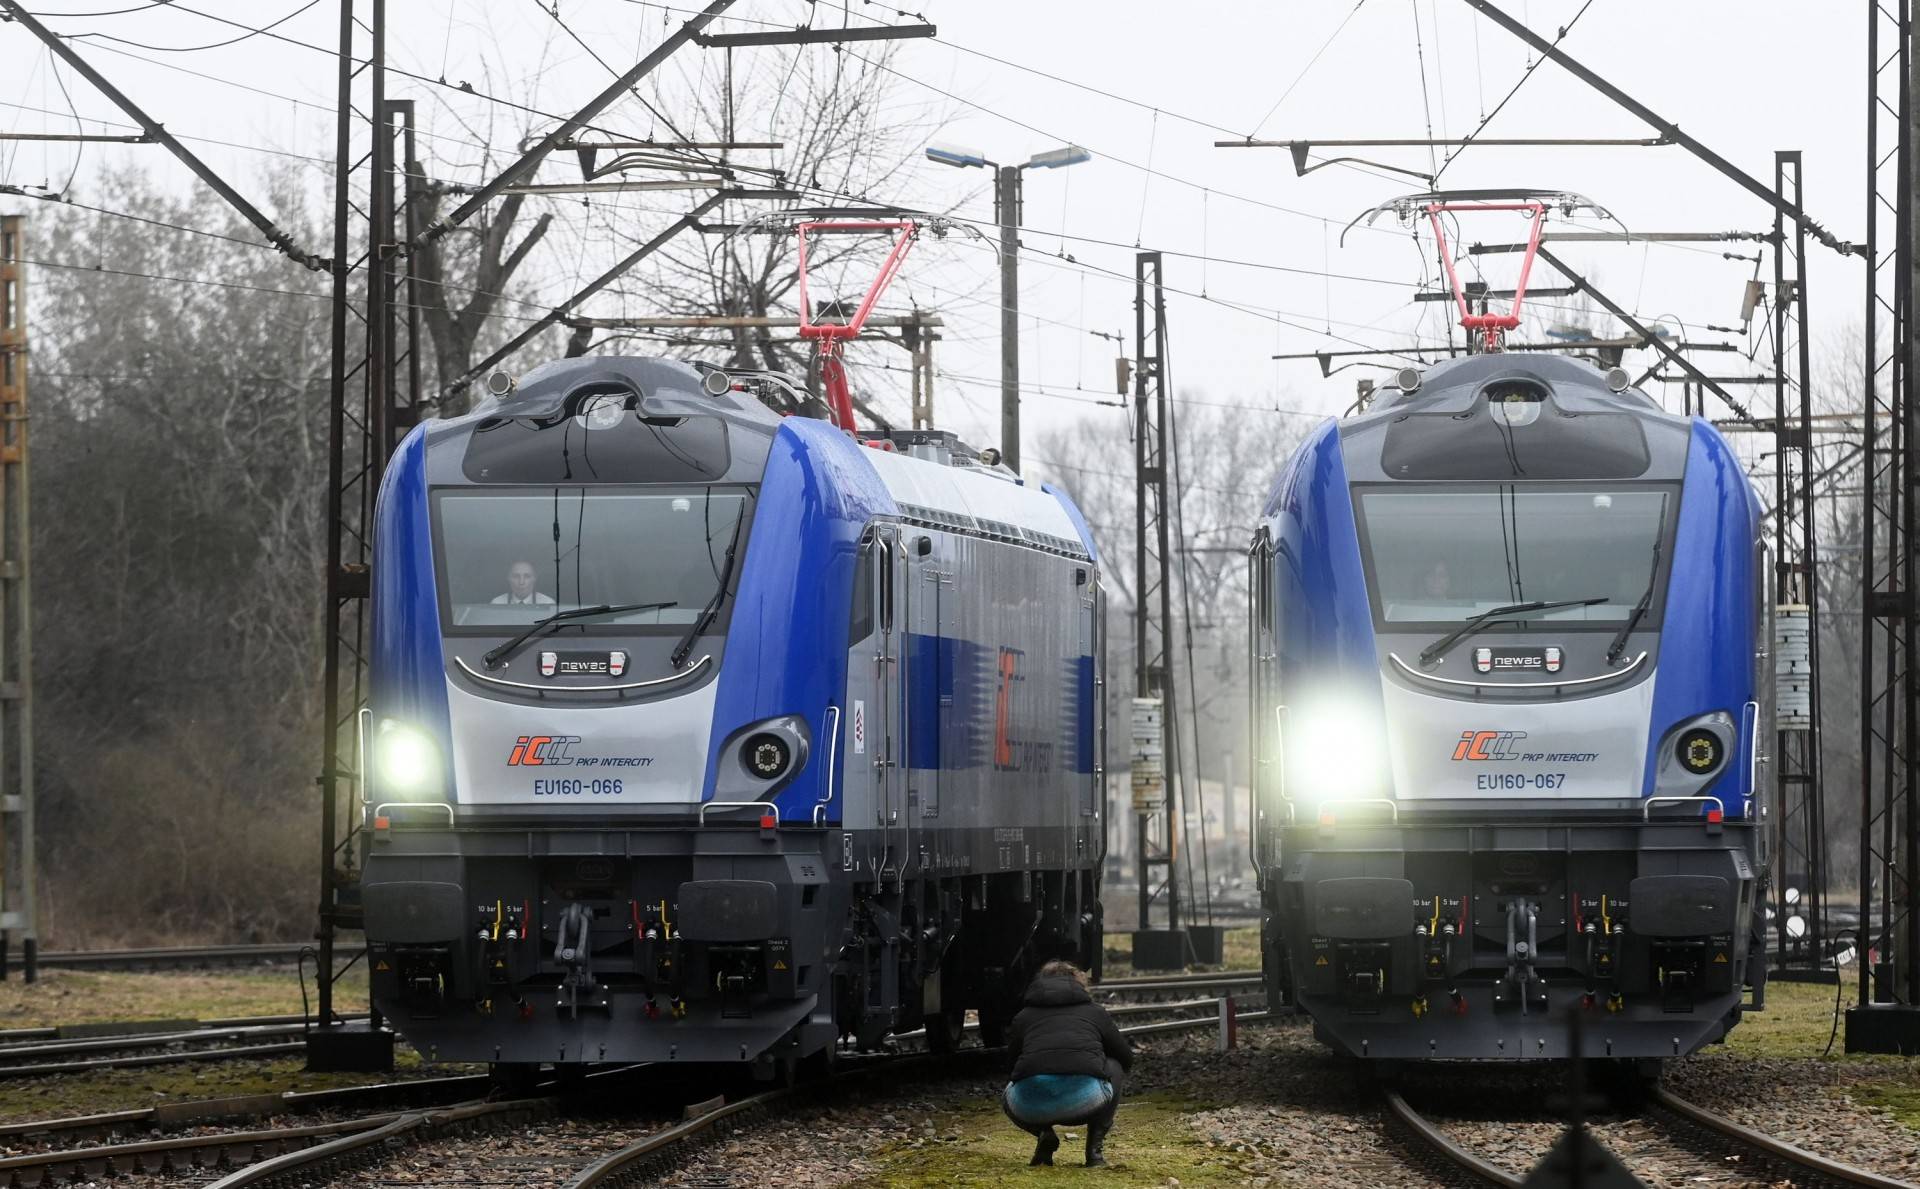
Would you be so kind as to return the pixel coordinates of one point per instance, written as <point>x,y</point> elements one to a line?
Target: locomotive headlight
<point>766,755</point>
<point>406,763</point>
<point>1699,751</point>
<point>1336,750</point>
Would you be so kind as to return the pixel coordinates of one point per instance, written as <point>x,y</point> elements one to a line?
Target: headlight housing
<point>406,763</point>
<point>1699,751</point>
<point>766,755</point>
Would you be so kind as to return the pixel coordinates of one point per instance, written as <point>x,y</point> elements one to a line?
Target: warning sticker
<point>859,730</point>
<point>1320,961</point>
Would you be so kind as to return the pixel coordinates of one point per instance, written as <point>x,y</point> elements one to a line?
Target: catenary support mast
<point>1156,817</point>
<point>18,915</point>
<point>1886,1017</point>
<point>1800,856</point>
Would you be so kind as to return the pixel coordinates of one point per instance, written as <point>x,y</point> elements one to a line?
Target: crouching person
<point>1068,1056</point>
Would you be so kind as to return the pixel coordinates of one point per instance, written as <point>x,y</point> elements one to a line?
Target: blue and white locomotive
<point>702,734</point>
<point>1510,691</point>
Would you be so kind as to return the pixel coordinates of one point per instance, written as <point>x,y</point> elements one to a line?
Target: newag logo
<point>1488,745</point>
<point>541,751</point>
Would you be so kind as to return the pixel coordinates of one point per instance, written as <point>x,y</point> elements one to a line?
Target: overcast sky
<point>1746,76</point>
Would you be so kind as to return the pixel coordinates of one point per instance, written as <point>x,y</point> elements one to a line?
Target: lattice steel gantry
<point>1887,1015</point>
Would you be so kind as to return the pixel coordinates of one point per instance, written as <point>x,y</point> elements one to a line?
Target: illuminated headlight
<point>1699,751</point>
<point>766,755</point>
<point>406,762</point>
<point>1336,751</point>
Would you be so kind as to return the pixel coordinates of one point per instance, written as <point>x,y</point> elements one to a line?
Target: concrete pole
<point>1006,204</point>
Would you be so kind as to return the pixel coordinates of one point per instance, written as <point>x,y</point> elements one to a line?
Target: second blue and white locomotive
<point>1510,688</point>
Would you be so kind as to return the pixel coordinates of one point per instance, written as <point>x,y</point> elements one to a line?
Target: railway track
<point>176,1141</point>
<point>290,1139</point>
<point>44,1052</point>
<point>668,1147</point>
<point>162,1048</point>
<point>1668,1141</point>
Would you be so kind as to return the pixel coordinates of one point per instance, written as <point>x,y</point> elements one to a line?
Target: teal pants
<point>1046,1100</point>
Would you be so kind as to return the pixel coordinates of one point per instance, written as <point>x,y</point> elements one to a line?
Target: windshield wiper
<point>1453,637</point>
<point>712,608</point>
<point>1619,644</point>
<point>560,618</point>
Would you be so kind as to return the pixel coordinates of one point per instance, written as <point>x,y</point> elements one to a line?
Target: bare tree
<point>180,451</point>
<point>1225,464</point>
<point>845,141</point>
<point>466,273</point>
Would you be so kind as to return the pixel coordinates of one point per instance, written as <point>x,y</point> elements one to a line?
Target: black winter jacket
<point>1062,1030</point>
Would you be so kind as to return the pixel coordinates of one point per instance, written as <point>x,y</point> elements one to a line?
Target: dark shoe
<point>1044,1150</point>
<point>1096,1144</point>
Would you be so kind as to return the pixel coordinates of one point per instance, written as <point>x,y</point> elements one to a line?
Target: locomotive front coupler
<point>573,948</point>
<point>1522,981</point>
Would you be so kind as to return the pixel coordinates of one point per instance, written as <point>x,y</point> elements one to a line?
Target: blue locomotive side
<point>1510,682</point>
<point>700,734</point>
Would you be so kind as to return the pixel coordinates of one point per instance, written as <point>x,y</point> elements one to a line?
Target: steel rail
<point>125,1042</point>
<point>1155,982</point>
<point>617,1168</point>
<point>168,1156</point>
<point>203,955</point>
<point>1438,1143</point>
<point>194,1112</point>
<point>297,1167</point>
<point>98,1063</point>
<point>132,1030</point>
<point>1776,1150</point>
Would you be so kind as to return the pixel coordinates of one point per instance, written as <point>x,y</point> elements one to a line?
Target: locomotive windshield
<point>511,557</point>
<point>1444,555</point>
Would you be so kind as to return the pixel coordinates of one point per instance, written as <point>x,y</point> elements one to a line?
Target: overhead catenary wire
<point>1514,90</point>
<point>1280,317</point>
<point>190,49</point>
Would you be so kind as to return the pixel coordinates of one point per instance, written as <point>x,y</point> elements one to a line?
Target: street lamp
<point>1006,207</point>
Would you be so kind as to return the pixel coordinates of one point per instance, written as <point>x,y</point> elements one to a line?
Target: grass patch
<point>1153,1140</point>
<point>1900,1101</point>
<point>90,996</point>
<point>1240,946</point>
<point>1797,1022</point>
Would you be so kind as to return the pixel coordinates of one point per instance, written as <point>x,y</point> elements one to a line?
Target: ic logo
<point>541,751</point>
<point>1488,745</point>
<point>1003,741</point>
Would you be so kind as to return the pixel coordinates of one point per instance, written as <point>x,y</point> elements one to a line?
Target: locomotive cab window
<point>1442,555</point>
<point>860,622</point>
<point>510,557</point>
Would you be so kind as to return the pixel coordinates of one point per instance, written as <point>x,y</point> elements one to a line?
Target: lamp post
<point>1006,208</point>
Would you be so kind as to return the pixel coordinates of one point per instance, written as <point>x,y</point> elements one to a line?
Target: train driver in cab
<point>520,587</point>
